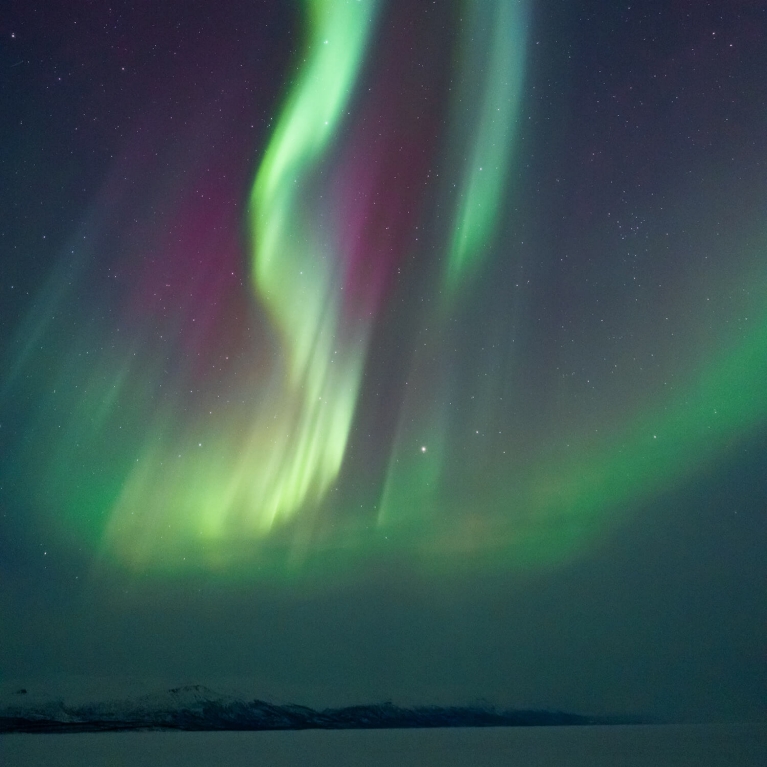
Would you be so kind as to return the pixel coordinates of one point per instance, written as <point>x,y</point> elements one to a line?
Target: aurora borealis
<point>311,291</point>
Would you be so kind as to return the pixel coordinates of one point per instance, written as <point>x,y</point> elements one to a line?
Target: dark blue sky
<point>413,352</point>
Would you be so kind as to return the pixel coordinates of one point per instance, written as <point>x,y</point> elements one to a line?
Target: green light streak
<point>166,491</point>
<point>482,131</point>
<point>291,273</point>
<point>542,513</point>
<point>493,56</point>
<point>295,271</point>
<point>262,465</point>
<point>725,400</point>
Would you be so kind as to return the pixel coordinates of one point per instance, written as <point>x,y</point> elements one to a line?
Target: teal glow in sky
<point>367,350</point>
<point>392,339</point>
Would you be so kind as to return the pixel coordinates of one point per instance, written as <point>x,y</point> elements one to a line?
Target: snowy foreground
<point>597,746</point>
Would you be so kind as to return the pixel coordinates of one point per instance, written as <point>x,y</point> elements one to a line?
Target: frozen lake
<point>629,746</point>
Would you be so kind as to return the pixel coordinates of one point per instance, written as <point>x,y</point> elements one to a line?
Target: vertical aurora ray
<point>291,450</point>
<point>297,270</point>
<point>291,273</point>
<point>492,54</point>
<point>361,389</point>
<point>538,510</point>
<point>482,132</point>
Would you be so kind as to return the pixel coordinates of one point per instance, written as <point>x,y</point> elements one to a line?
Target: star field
<point>309,293</point>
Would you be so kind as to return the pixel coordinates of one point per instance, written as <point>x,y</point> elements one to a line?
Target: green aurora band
<point>482,131</point>
<point>301,425</point>
<point>295,272</point>
<point>492,52</point>
<point>259,502</point>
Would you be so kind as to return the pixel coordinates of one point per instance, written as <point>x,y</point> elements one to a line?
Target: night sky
<point>357,350</point>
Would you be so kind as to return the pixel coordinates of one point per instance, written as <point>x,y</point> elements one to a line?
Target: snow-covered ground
<point>611,746</point>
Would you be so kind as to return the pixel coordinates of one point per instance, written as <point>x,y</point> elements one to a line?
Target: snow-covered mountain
<point>196,707</point>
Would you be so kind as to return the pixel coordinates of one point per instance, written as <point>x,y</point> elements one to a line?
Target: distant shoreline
<point>198,709</point>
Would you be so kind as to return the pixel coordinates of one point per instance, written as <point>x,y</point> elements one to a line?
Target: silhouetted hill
<point>199,708</point>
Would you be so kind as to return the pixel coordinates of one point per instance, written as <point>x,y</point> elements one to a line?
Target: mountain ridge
<point>198,708</point>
